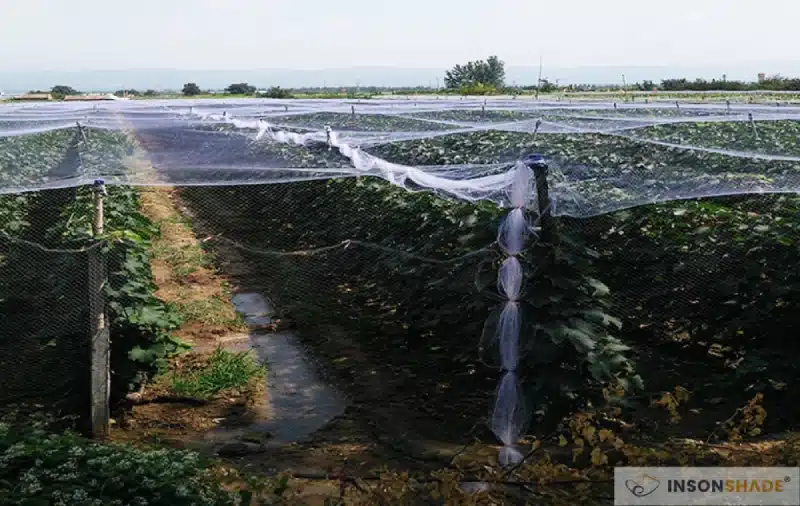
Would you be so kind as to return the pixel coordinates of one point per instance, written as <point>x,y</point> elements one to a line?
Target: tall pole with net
<point>101,345</point>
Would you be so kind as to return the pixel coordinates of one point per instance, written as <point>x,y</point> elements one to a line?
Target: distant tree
<point>477,89</point>
<point>191,89</point>
<point>131,93</point>
<point>489,73</point>
<point>150,93</point>
<point>240,89</point>
<point>60,91</point>
<point>779,83</point>
<point>645,86</point>
<point>276,92</point>
<point>546,86</point>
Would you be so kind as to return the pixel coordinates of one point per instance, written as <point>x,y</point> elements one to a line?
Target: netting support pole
<point>539,167</point>
<point>99,332</point>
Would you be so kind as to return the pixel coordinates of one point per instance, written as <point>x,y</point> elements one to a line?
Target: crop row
<point>668,266</point>
<point>706,271</point>
<point>37,160</point>
<point>596,173</point>
<point>716,273</point>
<point>45,248</point>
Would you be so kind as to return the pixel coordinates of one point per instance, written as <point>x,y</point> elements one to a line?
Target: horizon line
<point>377,66</point>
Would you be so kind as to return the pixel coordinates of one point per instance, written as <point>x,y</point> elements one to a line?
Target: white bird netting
<point>600,158</point>
<point>605,156</point>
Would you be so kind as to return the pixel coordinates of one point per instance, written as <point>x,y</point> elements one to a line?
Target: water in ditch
<point>299,401</point>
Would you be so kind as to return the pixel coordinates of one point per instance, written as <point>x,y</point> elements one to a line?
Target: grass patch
<point>223,370</point>
<point>185,272</point>
<point>212,311</point>
<point>184,260</point>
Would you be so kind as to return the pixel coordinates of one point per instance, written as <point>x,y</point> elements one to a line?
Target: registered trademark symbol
<point>787,479</point>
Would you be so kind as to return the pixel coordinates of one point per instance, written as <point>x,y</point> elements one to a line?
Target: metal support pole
<point>101,345</point>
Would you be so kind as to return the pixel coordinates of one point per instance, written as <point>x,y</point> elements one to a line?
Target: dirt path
<point>207,278</point>
<point>373,430</point>
<point>255,427</point>
<point>185,275</point>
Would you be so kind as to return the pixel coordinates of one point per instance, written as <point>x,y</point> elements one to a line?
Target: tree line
<point>488,76</point>
<point>772,83</point>
<point>192,90</point>
<point>483,77</point>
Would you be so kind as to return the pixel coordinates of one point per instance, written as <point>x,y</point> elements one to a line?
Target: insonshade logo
<point>670,486</point>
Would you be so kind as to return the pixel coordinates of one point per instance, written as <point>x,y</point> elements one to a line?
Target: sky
<point>40,35</point>
<point>162,44</point>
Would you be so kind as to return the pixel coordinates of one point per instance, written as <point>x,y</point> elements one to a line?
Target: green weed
<point>224,370</point>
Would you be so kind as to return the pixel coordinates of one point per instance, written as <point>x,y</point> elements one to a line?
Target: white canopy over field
<point>603,156</point>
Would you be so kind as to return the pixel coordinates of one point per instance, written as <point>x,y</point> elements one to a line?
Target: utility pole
<point>539,81</point>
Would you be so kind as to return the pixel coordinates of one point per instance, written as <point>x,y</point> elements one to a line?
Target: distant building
<point>762,77</point>
<point>86,98</point>
<point>34,97</point>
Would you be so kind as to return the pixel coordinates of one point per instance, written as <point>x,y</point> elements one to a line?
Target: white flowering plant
<point>41,467</point>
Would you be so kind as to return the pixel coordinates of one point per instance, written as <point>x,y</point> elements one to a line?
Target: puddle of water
<point>300,401</point>
<point>254,307</point>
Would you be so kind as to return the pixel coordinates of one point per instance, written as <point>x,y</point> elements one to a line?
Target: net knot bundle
<point>508,417</point>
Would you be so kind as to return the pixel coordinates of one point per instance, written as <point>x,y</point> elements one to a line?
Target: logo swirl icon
<point>644,487</point>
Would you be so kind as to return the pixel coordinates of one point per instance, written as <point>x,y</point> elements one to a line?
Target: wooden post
<point>101,346</point>
<point>753,124</point>
<point>539,166</point>
<point>82,132</point>
<point>536,128</point>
